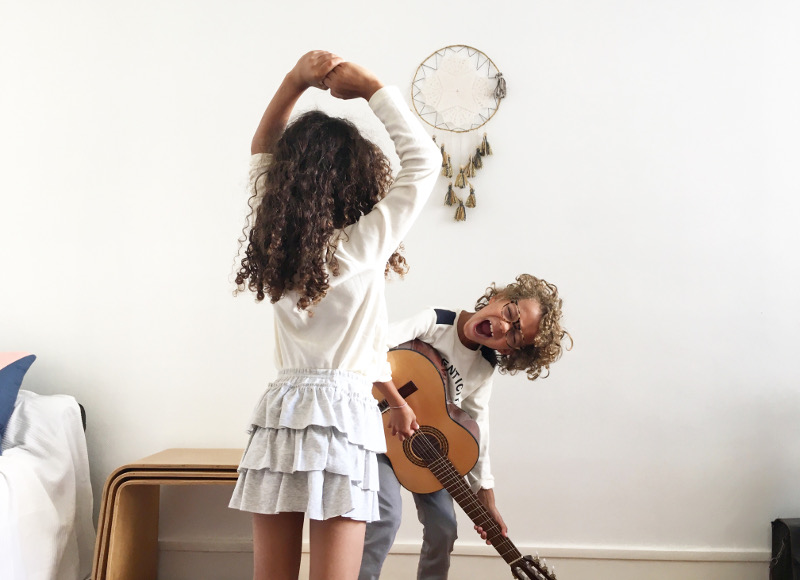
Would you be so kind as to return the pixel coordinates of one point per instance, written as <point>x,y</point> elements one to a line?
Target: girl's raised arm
<point>309,71</point>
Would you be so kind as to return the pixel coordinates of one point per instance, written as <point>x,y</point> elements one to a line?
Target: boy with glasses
<point>515,328</point>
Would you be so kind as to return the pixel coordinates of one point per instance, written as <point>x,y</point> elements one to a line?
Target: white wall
<point>645,161</point>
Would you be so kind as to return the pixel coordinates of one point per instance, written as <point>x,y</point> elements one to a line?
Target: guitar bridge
<point>405,391</point>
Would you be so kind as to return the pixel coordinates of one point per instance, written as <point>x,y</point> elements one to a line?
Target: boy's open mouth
<point>484,329</point>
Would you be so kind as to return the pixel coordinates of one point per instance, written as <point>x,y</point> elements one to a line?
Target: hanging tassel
<point>461,213</point>
<point>461,181</point>
<point>449,168</point>
<point>450,197</point>
<point>444,157</point>
<point>485,148</point>
<point>471,197</point>
<point>477,159</point>
<point>470,172</point>
<point>500,89</point>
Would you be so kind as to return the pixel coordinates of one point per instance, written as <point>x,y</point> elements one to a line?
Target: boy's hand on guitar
<point>487,499</point>
<point>402,422</point>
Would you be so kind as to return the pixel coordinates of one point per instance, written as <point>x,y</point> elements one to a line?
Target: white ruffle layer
<point>327,398</point>
<point>313,445</point>
<point>311,449</point>
<point>320,494</point>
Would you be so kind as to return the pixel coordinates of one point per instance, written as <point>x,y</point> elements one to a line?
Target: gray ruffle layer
<point>314,439</point>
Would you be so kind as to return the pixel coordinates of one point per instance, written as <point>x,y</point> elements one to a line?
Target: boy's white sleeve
<point>422,326</point>
<point>477,406</point>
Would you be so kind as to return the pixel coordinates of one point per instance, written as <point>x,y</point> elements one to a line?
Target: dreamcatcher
<point>456,90</point>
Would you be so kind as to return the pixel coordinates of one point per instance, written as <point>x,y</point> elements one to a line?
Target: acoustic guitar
<point>444,448</point>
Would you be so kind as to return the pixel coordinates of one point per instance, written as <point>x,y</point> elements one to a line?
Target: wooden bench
<point>127,529</point>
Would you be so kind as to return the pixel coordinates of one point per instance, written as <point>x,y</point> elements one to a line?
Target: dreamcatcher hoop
<point>458,88</point>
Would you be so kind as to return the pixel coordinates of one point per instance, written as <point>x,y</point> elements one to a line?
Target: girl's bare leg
<point>277,545</point>
<point>336,548</point>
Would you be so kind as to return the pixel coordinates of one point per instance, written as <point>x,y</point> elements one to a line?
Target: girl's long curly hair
<point>546,348</point>
<point>323,177</point>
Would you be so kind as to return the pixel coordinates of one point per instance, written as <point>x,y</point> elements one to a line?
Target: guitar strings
<point>432,454</point>
<point>491,526</point>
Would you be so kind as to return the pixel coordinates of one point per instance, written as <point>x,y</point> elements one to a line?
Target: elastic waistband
<point>325,374</point>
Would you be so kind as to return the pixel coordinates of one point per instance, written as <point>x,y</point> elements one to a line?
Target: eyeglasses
<point>514,336</point>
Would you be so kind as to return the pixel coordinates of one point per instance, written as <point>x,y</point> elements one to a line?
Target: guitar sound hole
<point>426,445</point>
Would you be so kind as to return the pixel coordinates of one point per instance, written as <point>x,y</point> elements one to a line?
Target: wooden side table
<point>127,529</point>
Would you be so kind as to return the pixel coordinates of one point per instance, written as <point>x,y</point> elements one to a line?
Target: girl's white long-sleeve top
<point>348,329</point>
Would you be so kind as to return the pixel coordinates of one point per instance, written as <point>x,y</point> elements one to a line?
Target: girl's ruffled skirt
<point>313,445</point>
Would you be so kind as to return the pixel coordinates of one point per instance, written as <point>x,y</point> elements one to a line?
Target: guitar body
<point>418,373</point>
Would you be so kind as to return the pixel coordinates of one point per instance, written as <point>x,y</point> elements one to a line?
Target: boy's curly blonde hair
<point>546,348</point>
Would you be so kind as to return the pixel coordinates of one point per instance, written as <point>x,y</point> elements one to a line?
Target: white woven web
<point>454,89</point>
<point>458,92</point>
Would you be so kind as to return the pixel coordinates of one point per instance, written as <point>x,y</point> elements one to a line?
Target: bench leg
<point>133,541</point>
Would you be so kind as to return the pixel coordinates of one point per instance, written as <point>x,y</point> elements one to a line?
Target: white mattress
<point>46,527</point>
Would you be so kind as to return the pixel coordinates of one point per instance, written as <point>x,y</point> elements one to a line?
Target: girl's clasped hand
<point>325,70</point>
<point>312,68</point>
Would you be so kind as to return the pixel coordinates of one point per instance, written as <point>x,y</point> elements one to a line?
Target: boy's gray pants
<point>438,518</point>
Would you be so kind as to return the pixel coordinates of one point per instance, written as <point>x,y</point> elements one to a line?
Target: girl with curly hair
<point>327,219</point>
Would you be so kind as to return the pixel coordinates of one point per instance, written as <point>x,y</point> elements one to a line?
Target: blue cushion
<point>13,366</point>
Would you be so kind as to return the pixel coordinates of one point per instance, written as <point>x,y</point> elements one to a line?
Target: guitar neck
<point>449,477</point>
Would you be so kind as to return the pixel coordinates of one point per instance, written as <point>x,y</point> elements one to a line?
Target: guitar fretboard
<point>448,476</point>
